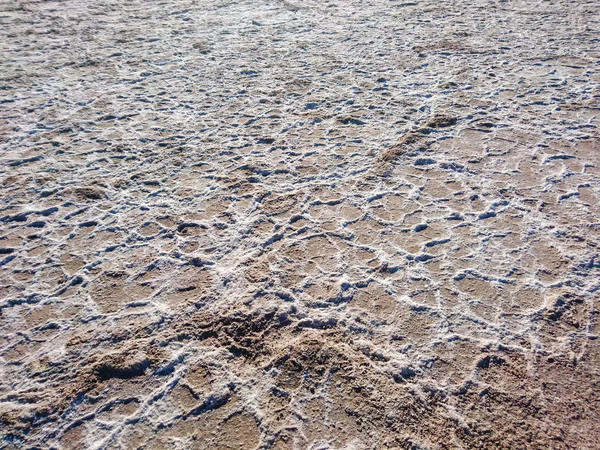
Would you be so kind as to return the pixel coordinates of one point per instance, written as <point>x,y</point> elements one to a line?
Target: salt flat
<point>299,224</point>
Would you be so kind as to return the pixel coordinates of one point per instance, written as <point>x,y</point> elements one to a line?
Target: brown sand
<point>299,225</point>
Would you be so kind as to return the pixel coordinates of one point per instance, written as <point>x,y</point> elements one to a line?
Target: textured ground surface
<point>299,225</point>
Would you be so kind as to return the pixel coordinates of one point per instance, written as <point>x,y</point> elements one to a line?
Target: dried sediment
<point>291,225</point>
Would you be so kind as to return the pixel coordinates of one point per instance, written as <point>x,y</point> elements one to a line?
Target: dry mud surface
<point>299,224</point>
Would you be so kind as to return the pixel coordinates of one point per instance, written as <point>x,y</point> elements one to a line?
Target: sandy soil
<point>299,224</point>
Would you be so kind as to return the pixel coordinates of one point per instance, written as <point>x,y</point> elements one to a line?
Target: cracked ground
<point>343,224</point>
